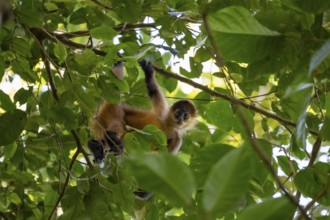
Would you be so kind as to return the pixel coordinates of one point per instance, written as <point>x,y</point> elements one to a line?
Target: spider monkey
<point>109,123</point>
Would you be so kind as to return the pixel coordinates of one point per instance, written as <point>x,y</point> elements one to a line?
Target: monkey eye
<point>177,112</point>
<point>185,116</point>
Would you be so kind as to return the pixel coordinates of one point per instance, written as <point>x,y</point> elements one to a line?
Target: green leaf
<point>221,114</point>
<point>12,124</point>
<point>63,115</point>
<point>30,16</point>
<point>87,61</point>
<point>60,52</point>
<point>50,6</point>
<point>205,159</point>
<point>270,209</point>
<point>239,36</point>
<point>83,186</point>
<point>103,32</point>
<point>14,198</point>
<point>164,175</point>
<point>72,205</point>
<point>22,96</point>
<point>21,46</point>
<point>227,181</point>
<point>223,108</point>
<point>320,55</point>
<point>312,180</point>
<point>5,102</point>
<point>325,131</point>
<point>150,138</point>
<point>10,150</point>
<point>287,165</point>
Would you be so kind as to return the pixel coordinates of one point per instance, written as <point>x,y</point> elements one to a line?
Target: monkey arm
<point>155,93</point>
<point>174,144</point>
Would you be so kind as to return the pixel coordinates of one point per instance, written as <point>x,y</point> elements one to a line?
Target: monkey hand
<point>147,69</point>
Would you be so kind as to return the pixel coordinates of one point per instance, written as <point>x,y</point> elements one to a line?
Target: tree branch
<point>265,159</point>
<point>315,151</point>
<point>232,100</point>
<point>80,148</point>
<point>50,78</point>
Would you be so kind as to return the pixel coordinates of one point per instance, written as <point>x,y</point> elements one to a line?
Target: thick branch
<point>265,159</point>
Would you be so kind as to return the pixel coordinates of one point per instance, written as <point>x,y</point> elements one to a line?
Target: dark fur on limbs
<point>114,144</point>
<point>149,74</point>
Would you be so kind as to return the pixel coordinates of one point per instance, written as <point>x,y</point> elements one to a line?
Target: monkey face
<point>183,113</point>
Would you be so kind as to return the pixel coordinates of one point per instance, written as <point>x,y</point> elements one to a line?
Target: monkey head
<point>183,113</point>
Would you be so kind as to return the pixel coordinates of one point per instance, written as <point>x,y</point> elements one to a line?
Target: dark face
<point>183,112</point>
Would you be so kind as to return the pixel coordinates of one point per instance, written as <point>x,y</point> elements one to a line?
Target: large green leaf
<point>103,32</point>
<point>320,55</point>
<point>227,181</point>
<point>205,158</point>
<point>314,180</point>
<point>60,52</point>
<point>325,131</point>
<point>164,175</point>
<point>150,138</point>
<point>12,124</point>
<point>270,209</point>
<point>239,36</point>
<point>5,102</point>
<point>221,113</point>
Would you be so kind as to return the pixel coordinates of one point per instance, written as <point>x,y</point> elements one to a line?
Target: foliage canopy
<point>260,148</point>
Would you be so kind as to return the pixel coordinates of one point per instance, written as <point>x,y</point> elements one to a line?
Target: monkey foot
<point>142,195</point>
